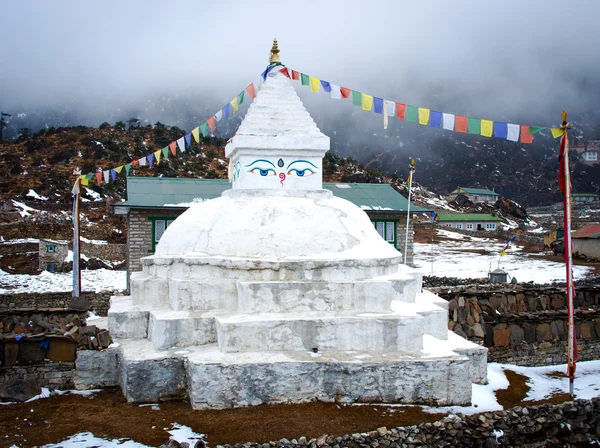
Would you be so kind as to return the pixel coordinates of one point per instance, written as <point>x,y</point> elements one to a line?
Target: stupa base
<point>441,374</point>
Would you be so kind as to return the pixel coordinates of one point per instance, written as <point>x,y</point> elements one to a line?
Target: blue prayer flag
<point>227,110</point>
<point>500,129</point>
<point>378,105</point>
<point>326,86</point>
<point>113,173</point>
<point>150,158</point>
<point>435,119</point>
<point>188,139</point>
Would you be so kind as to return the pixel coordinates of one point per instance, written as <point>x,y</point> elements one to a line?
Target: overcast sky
<point>494,58</point>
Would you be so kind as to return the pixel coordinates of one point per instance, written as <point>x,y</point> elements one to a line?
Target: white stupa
<point>279,292</point>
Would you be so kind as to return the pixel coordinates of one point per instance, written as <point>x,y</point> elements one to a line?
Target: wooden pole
<point>411,169</point>
<point>76,239</point>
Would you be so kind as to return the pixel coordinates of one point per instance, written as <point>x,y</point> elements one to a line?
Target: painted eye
<point>263,171</point>
<point>301,173</point>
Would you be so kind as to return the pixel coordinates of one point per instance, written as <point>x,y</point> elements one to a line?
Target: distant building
<point>586,241</point>
<point>52,254</point>
<point>588,152</point>
<point>553,236</point>
<point>585,197</point>
<point>468,221</point>
<point>475,194</point>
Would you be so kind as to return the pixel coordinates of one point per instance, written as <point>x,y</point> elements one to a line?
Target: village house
<point>552,236</point>
<point>154,203</point>
<point>475,195</point>
<point>579,198</point>
<point>588,152</point>
<point>586,241</point>
<point>52,254</point>
<point>468,221</point>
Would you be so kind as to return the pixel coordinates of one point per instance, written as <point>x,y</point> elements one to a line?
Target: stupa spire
<point>274,58</point>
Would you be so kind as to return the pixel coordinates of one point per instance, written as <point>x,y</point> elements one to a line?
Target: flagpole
<point>411,169</point>
<point>76,270</point>
<point>571,345</point>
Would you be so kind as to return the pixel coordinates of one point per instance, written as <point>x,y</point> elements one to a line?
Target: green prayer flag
<point>165,152</point>
<point>412,114</point>
<point>305,79</point>
<point>357,98</point>
<point>474,126</point>
<point>90,176</point>
<point>241,98</point>
<point>535,129</point>
<point>204,129</point>
<point>127,168</point>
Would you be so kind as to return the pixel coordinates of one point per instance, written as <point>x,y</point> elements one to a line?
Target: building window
<point>459,226</point>
<point>590,156</point>
<point>469,226</point>
<point>51,267</point>
<point>387,230</point>
<point>159,225</point>
<point>490,226</point>
<point>50,248</point>
<point>449,225</point>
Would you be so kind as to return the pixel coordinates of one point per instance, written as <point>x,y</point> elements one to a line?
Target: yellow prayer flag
<point>367,102</point>
<point>423,116</point>
<point>157,155</point>
<point>315,84</point>
<point>557,132</point>
<point>83,179</point>
<point>119,169</point>
<point>487,128</point>
<point>196,134</point>
<point>234,104</point>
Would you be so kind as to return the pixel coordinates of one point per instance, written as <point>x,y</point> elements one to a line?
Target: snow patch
<point>34,195</point>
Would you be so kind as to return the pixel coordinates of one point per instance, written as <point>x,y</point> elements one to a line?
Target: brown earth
<point>107,414</point>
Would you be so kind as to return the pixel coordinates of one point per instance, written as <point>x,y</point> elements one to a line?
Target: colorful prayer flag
<point>240,97</point>
<point>99,177</point>
<point>305,79</point>
<point>412,114</point>
<point>367,102</point>
<point>461,123</point>
<point>557,132</point>
<point>165,152</point>
<point>526,137</point>
<point>204,128</point>
<point>326,86</point>
<point>315,84</point>
<point>535,129</point>
<point>345,92</point>
<point>227,111</point>
<point>356,98</point>
<point>448,121</point>
<point>84,180</point>
<point>173,148</point>
<point>150,159</point>
<point>127,168</point>
<point>423,116</point>
<point>401,111</point>
<point>142,161</point>
<point>106,176</point>
<point>181,144</point>
<point>211,124</point>
<point>157,155</point>
<point>234,104</point>
<point>285,72</point>
<point>391,108</point>
<point>500,129</point>
<point>251,91</point>
<point>219,115</point>
<point>474,126</point>
<point>188,139</point>
<point>335,93</point>
<point>196,134</point>
<point>378,105</point>
<point>119,169</point>
<point>295,75</point>
<point>435,119</point>
<point>512,132</point>
<point>487,128</point>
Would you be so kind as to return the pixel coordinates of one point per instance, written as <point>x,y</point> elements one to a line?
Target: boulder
<point>18,389</point>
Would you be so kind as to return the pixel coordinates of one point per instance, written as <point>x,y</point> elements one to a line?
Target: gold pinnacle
<point>274,59</point>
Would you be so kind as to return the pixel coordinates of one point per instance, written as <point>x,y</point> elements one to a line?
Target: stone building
<point>475,195</point>
<point>468,221</point>
<point>588,152</point>
<point>586,241</point>
<point>52,254</point>
<point>154,203</point>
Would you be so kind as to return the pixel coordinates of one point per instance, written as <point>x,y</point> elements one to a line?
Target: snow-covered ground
<point>465,256</point>
<point>96,280</point>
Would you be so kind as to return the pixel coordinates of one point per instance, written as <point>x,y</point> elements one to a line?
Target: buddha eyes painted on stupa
<point>297,168</point>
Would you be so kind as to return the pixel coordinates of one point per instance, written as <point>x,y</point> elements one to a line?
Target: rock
<point>382,431</point>
<point>478,330</point>
<point>545,345</point>
<point>543,333</point>
<point>104,339</point>
<point>321,440</point>
<point>517,335</point>
<point>586,330</point>
<point>501,338</point>
<point>202,444</point>
<point>18,389</point>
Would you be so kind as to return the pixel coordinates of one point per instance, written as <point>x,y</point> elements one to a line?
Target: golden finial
<point>565,124</point>
<point>274,59</point>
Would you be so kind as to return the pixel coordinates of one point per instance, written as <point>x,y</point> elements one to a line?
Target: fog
<point>180,61</point>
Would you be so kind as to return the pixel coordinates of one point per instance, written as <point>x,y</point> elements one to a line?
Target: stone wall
<point>587,247</point>
<point>54,375</point>
<point>112,252</point>
<point>98,302</point>
<point>575,423</point>
<point>18,248</point>
<point>526,325</point>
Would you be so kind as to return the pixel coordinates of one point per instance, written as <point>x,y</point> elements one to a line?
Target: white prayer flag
<point>106,176</point>
<point>143,161</point>
<point>448,121</point>
<point>181,144</point>
<point>391,108</point>
<point>512,132</point>
<point>335,93</point>
<point>218,115</point>
<point>385,114</point>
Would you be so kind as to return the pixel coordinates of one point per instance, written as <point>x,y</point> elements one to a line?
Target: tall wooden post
<point>76,239</point>
<point>411,170</point>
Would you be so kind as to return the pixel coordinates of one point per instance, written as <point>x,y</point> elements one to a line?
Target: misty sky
<point>496,59</point>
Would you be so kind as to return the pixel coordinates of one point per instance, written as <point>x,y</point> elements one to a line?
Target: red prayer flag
<point>460,123</point>
<point>561,168</point>
<point>285,72</point>
<point>295,75</point>
<point>211,123</point>
<point>251,91</point>
<point>400,111</point>
<point>526,137</point>
<point>135,163</point>
<point>345,92</point>
<point>99,177</point>
<point>173,148</point>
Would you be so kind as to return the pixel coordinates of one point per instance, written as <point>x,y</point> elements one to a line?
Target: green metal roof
<point>466,217</point>
<point>477,191</point>
<point>158,192</point>
<point>584,195</point>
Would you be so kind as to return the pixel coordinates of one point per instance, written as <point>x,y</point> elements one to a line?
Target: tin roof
<point>466,217</point>
<point>592,232</point>
<point>476,191</point>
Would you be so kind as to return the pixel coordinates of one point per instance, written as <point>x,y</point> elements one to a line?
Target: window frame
<point>168,221</point>
<point>51,248</point>
<point>490,226</point>
<point>469,226</point>
<point>385,236</point>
